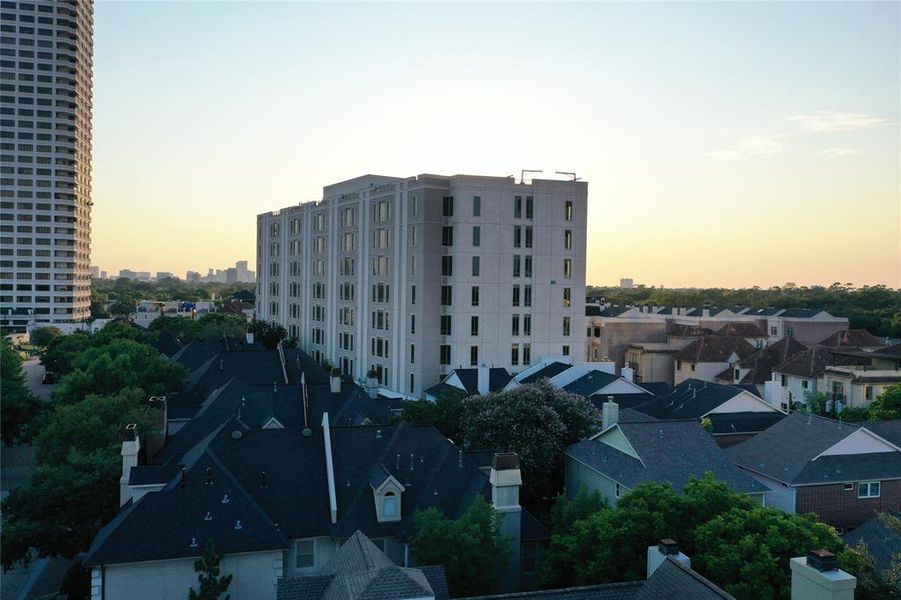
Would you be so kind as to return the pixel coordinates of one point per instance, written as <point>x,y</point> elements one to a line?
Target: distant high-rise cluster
<point>45,161</point>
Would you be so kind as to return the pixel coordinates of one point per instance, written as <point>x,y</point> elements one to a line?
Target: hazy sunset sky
<point>725,144</point>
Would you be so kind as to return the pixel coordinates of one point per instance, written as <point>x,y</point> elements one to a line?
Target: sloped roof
<point>548,371</point>
<point>625,401</point>
<point>590,383</point>
<point>741,329</point>
<point>715,349</point>
<point>673,581</point>
<point>852,338</point>
<point>784,450</point>
<point>744,422</point>
<point>890,351</point>
<point>603,591</point>
<point>671,452</point>
<point>678,330</point>
<point>882,536</point>
<point>813,361</point>
<point>887,430</point>
<point>658,388</point>
<point>800,313</point>
<point>761,363</point>
<point>691,399</point>
<point>152,474</point>
<point>497,378</point>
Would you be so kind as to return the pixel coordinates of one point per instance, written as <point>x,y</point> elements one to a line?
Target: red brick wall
<point>844,509</point>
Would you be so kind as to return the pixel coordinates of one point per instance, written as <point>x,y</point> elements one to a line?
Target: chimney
<point>817,577</point>
<point>505,479</point>
<point>665,549</point>
<point>334,381</point>
<point>372,383</point>
<point>705,312</point>
<point>628,373</point>
<point>609,413</point>
<point>157,438</point>
<point>131,445</point>
<point>482,383</point>
<point>248,337</point>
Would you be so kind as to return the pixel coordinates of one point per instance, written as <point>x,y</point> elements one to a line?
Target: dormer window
<point>389,505</point>
<point>386,491</point>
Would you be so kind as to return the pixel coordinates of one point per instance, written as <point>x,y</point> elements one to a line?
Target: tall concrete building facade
<point>408,278</point>
<point>46,52</point>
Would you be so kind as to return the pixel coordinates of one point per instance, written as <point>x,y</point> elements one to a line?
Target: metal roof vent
<point>307,432</point>
<point>237,434</point>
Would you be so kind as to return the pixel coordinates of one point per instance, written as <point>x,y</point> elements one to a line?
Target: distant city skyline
<point>727,144</point>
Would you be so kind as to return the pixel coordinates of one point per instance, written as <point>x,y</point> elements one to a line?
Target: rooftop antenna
<point>573,175</point>
<point>303,391</point>
<point>522,174</point>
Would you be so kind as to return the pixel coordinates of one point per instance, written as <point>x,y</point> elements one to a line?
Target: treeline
<point>121,296</point>
<point>876,308</point>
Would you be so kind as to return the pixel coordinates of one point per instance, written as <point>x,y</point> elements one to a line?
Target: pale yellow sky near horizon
<point>726,145</point>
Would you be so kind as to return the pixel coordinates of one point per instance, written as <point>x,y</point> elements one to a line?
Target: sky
<point>724,144</point>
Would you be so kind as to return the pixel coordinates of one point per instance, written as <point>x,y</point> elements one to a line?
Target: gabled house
<point>756,369</point>
<point>279,503</point>
<point>882,537</point>
<point>601,383</point>
<point>624,455</point>
<point>735,413</point>
<point>752,332</point>
<point>799,375</point>
<point>843,472</point>
<point>708,356</point>
<point>856,387</point>
<point>473,381</point>
<point>858,339</point>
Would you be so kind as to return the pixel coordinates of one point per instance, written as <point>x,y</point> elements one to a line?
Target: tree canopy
<point>472,549</point>
<point>210,326</point>
<point>536,421</point>
<point>18,406</point>
<point>44,335</point>
<point>212,583</point>
<point>444,413</point>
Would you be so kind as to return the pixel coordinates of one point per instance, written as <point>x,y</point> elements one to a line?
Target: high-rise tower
<point>46,52</point>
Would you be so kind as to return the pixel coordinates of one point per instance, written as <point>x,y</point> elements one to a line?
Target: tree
<point>871,585</point>
<point>444,413</point>
<point>59,354</point>
<point>472,549</point>
<point>212,583</point>
<point>44,335</point>
<point>557,570</point>
<point>268,334</point>
<point>747,552</point>
<point>18,406</point>
<point>536,421</point>
<point>887,406</point>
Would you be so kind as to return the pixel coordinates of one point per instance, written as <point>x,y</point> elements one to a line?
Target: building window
<point>412,354</point>
<point>517,207</point>
<point>692,366</point>
<point>445,324</point>
<point>618,491</point>
<point>516,265</point>
<point>868,392</point>
<point>515,324</point>
<point>790,332</point>
<point>474,356</point>
<point>413,294</point>
<point>412,324</point>
<point>774,330</point>
<point>868,489</point>
<point>514,354</point>
<point>447,208</point>
<point>389,505</point>
<point>446,295</point>
<point>526,354</point>
<point>447,266</point>
<point>529,207</point>
<point>305,554</point>
<point>515,295</point>
<point>804,382</point>
<point>567,268</point>
<point>527,324</point>
<point>849,487</point>
<point>566,326</point>
<point>678,365</point>
<point>475,266</point>
<point>476,235</point>
<point>567,297</point>
<point>517,236</point>
<point>569,210</point>
<point>447,236</point>
<point>527,295</point>
<point>568,240</point>
<point>565,350</point>
<point>477,206</point>
<point>412,384</point>
<point>445,354</point>
<point>474,325</point>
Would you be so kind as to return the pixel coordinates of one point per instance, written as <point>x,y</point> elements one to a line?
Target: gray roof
<point>691,399</point>
<point>671,452</point>
<point>590,383</point>
<point>743,422</point>
<point>812,362</point>
<point>887,430</point>
<point>672,581</point>
<point>800,313</point>
<point>360,571</point>
<point>152,474</point>
<point>882,536</point>
<point>715,349</point>
<point>604,591</point>
<point>784,450</point>
<point>547,371</point>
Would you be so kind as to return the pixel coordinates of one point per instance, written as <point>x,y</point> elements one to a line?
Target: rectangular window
<point>447,236</point>
<point>412,294</point>
<point>790,332</point>
<point>567,297</point>
<point>569,210</point>
<point>565,350</point>
<point>868,392</point>
<point>528,266</point>
<point>527,295</point>
<point>517,207</point>
<point>412,324</point>
<point>514,354</point>
<point>474,325</point>
<point>528,237</point>
<point>475,295</point>
<point>412,354</point>
<point>305,554</point>
<point>618,490</point>
<point>515,295</point>
<point>868,489</point>
<point>526,354</point>
<point>516,265</point>
<point>476,236</point>
<point>568,239</point>
<point>567,268</point>
<point>446,295</point>
<point>445,352</point>
<point>527,324</point>
<point>447,266</point>
<point>412,386</point>
<point>849,487</point>
<point>517,236</point>
<point>477,206</point>
<point>566,325</point>
<point>448,206</point>
<point>475,266</point>
<point>445,324</point>
<point>529,207</point>
<point>473,356</point>
<point>515,328</point>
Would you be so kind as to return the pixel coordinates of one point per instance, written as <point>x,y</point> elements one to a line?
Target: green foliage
<point>747,552</point>
<point>57,357</point>
<point>871,585</point>
<point>44,335</point>
<point>212,583</point>
<point>557,568</point>
<point>106,290</point>
<point>472,549</point>
<point>18,406</point>
<point>268,334</point>
<point>444,414</point>
<point>887,406</point>
<point>536,421</point>
<point>211,326</point>
<point>875,308</point>
<point>120,364</point>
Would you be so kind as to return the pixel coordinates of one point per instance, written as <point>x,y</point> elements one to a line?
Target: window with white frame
<point>868,489</point>
<point>305,554</point>
<point>389,505</point>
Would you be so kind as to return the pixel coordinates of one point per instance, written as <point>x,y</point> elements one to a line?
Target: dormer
<point>386,492</point>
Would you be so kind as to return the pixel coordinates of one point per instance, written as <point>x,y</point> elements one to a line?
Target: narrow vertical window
<point>477,206</point>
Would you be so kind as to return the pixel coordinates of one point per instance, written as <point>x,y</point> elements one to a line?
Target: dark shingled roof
<point>887,430</point>
<point>604,591</point>
<point>744,422</point>
<point>672,581</point>
<point>890,351</point>
<point>658,388</point>
<point>785,450</point>
<point>677,330</point>
<point>590,383</point>
<point>497,379</point>
<point>715,349</point>
<point>691,399</point>
<point>152,474</point>
<point>593,310</point>
<point>800,313</point>
<point>625,401</point>
<point>812,362</point>
<point>882,536</point>
<point>852,338</point>
<point>548,371</point>
<point>761,363</point>
<point>671,452</point>
<point>742,329</point>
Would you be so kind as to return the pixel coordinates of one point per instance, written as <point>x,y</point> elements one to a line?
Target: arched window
<point>389,505</point>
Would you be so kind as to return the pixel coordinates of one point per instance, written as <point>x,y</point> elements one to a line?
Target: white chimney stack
<point>131,446</point>
<point>609,413</point>
<point>334,381</point>
<point>817,577</point>
<point>248,337</point>
<point>482,382</point>
<point>666,548</point>
<point>628,373</point>
<point>372,384</point>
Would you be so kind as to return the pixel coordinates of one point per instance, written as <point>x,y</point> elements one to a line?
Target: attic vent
<point>225,499</point>
<point>238,525</point>
<point>193,542</point>
<point>378,434</point>
<point>236,434</point>
<point>209,516</point>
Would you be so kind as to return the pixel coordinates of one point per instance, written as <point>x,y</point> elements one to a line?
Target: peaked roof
<point>360,571</point>
<point>673,580</point>
<point>852,338</point>
<point>800,313</point>
<point>497,378</point>
<point>548,371</point>
<point>715,348</point>
<point>813,361</point>
<point>691,399</point>
<point>761,363</point>
<point>785,450</point>
<point>670,452</point>
<point>678,330</point>
<point>591,383</point>
<point>742,329</point>
<point>882,536</point>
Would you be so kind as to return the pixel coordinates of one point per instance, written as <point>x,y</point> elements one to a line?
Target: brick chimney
<point>817,577</point>
<point>506,478</point>
<point>609,413</point>
<point>665,548</point>
<point>131,446</point>
<point>334,381</point>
